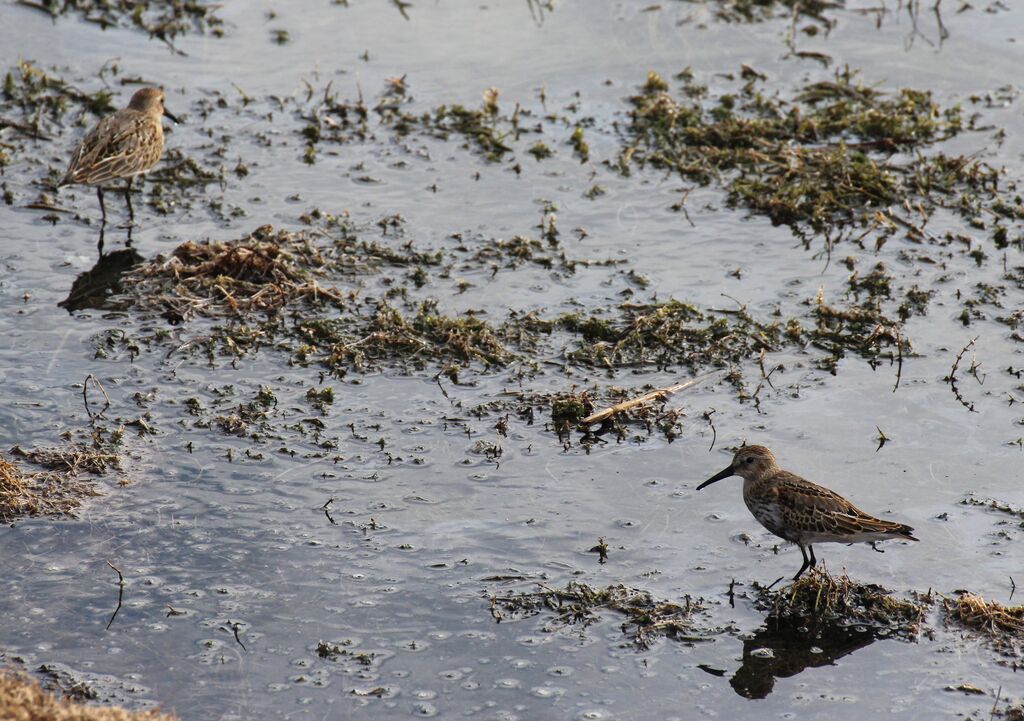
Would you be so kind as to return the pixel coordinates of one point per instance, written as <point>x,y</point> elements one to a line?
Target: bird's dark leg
<point>807,563</point>
<point>128,200</point>
<point>103,208</point>
<point>814,561</point>
<point>99,245</point>
<point>876,548</point>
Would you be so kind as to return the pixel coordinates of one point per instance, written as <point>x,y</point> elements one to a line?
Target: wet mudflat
<point>343,473</point>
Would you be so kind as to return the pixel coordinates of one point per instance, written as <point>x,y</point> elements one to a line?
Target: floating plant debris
<point>578,603</point>
<point>668,334</point>
<point>485,129</point>
<point>838,159</point>
<point>995,505</point>
<point>1002,625</point>
<point>59,490</point>
<point>761,10</point>
<point>163,19</point>
<point>34,102</point>
<point>259,273</point>
<point>22,698</point>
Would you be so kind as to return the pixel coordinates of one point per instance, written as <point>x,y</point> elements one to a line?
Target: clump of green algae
<point>837,159</point>
<point>668,334</point>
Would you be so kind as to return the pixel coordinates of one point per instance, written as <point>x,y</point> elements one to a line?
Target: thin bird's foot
<point>809,561</point>
<point>769,588</point>
<point>876,548</point>
<point>103,207</point>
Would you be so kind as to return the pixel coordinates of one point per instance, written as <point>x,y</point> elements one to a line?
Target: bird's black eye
<point>750,460</point>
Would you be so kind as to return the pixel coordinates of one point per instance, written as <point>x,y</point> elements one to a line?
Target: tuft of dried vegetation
<point>1002,625</point>
<point>817,596</point>
<point>59,490</point>
<point>72,459</point>
<point>23,698</point>
<point>16,498</point>
<point>259,273</point>
<point>579,604</point>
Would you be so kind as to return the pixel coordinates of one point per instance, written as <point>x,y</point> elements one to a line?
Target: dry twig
<point>655,395</point>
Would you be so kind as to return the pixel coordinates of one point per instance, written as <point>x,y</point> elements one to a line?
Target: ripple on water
<point>560,671</point>
<point>533,640</point>
<point>424,708</point>
<point>503,715</point>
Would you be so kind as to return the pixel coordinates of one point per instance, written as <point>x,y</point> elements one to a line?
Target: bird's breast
<point>770,514</point>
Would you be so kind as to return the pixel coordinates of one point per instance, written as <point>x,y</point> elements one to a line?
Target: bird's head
<point>750,463</point>
<point>151,102</point>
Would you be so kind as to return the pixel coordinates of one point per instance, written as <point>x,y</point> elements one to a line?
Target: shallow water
<point>397,568</point>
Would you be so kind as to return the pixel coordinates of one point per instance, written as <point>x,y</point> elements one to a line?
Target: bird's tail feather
<point>907,532</point>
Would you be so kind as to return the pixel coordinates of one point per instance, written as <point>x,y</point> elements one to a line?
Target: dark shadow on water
<point>94,287</point>
<point>784,648</point>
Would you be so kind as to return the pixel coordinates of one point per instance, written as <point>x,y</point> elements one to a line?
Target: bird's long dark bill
<point>173,119</point>
<point>724,473</point>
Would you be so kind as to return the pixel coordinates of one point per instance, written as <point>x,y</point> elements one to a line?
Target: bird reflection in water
<point>784,648</point>
<point>94,287</point>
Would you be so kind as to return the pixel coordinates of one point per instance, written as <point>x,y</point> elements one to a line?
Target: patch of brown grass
<point>55,491</point>
<point>72,459</point>
<point>15,495</point>
<point>1000,622</point>
<point>261,272</point>
<point>22,699</point>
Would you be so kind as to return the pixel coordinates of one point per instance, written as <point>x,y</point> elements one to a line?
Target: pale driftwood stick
<point>656,394</point>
